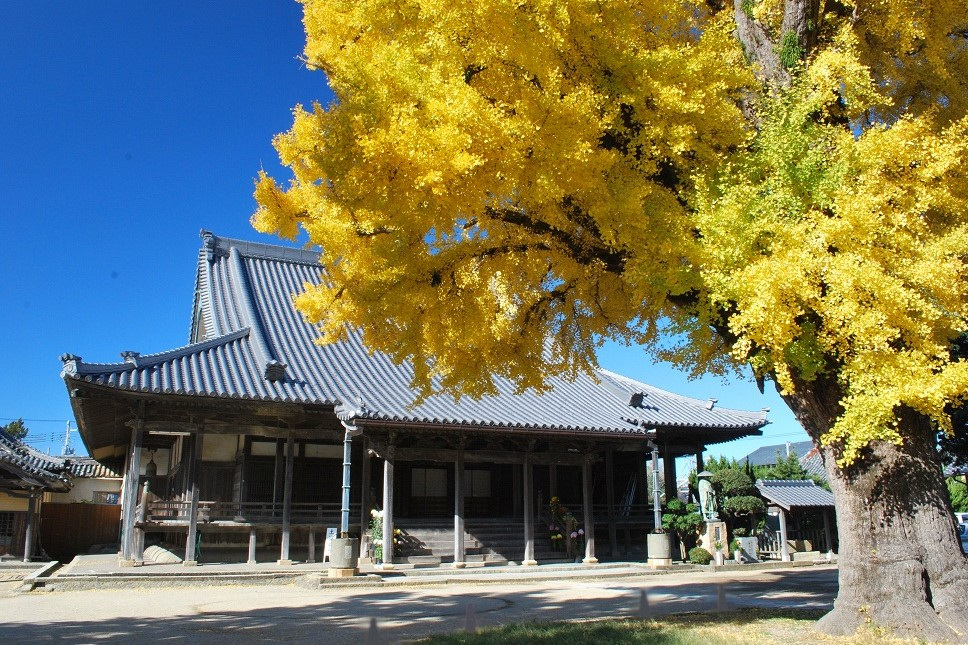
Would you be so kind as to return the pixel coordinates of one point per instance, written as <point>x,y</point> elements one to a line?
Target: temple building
<point>242,436</point>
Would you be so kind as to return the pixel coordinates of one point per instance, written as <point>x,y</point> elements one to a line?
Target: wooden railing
<point>177,512</point>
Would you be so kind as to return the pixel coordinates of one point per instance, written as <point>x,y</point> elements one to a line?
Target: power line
<point>33,420</point>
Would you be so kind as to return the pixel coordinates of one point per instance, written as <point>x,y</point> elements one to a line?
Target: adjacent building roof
<point>767,455</point>
<point>794,494</point>
<point>249,343</point>
<point>86,467</point>
<point>23,468</point>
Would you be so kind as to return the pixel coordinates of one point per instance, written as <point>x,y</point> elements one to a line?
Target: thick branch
<point>581,249</point>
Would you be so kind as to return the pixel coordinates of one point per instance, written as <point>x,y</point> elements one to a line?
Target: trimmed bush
<point>699,555</point>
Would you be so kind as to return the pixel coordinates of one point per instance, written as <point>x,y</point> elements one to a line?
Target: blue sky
<point>126,128</point>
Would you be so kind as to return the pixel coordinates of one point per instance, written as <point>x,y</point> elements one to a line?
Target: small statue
<point>707,497</point>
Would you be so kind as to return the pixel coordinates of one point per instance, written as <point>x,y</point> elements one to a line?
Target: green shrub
<point>699,555</point>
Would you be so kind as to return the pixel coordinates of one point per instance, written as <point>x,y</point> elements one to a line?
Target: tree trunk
<point>901,564</point>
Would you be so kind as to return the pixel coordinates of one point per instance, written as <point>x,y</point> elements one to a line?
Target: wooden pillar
<point>700,466</point>
<point>784,547</point>
<point>643,473</point>
<point>252,542</point>
<point>131,479</point>
<point>553,480</point>
<point>459,555</point>
<point>388,508</point>
<point>586,485</point>
<point>366,504</point>
<point>287,504</point>
<point>516,497</point>
<point>827,533</point>
<point>528,510</point>
<point>29,537</point>
<point>312,546</point>
<point>278,476</point>
<point>669,472</point>
<point>191,542</point>
<point>610,501</point>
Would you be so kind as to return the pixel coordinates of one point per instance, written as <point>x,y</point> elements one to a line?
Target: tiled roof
<point>812,462</point>
<point>23,467</point>
<point>89,468</point>
<point>253,345</point>
<point>766,455</point>
<point>791,494</point>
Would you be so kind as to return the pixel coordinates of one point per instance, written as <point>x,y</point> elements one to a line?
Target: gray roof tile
<point>245,320</point>
<point>790,494</point>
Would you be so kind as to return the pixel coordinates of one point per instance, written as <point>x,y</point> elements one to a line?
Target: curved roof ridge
<point>646,388</point>
<point>149,360</point>
<point>223,245</point>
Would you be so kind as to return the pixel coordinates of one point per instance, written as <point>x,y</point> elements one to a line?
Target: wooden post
<point>700,466</point>
<point>528,504</point>
<point>278,475</point>
<point>586,480</point>
<point>643,485</point>
<point>459,555</point>
<point>784,547</point>
<point>610,500</point>
<point>287,504</point>
<point>553,480</point>
<point>131,478</point>
<point>312,546</point>
<point>827,533</point>
<point>252,541</point>
<point>191,557</point>
<point>669,472</point>
<point>516,505</point>
<point>29,537</point>
<point>366,503</point>
<point>388,508</point>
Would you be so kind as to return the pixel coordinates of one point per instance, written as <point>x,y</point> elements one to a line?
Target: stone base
<point>285,563</point>
<point>129,563</point>
<point>386,566</point>
<point>659,562</point>
<point>591,560</point>
<point>460,565</point>
<point>251,562</point>
<point>190,563</point>
<point>342,573</point>
<point>529,563</point>
<point>715,532</point>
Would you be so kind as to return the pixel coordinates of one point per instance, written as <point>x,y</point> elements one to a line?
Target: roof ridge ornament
<point>131,357</point>
<point>209,242</point>
<point>274,370</point>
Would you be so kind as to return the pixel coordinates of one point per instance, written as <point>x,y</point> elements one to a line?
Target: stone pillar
<point>528,506</point>
<point>252,543</point>
<point>131,478</point>
<point>191,542</point>
<point>388,508</point>
<point>287,504</point>
<point>459,555</point>
<point>827,534</point>
<point>784,546</point>
<point>29,537</point>
<point>586,485</point>
<point>610,501</point>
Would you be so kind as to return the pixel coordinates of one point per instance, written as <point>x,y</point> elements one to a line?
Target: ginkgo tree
<point>781,184</point>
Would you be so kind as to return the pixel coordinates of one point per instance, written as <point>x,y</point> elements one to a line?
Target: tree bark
<point>901,564</point>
